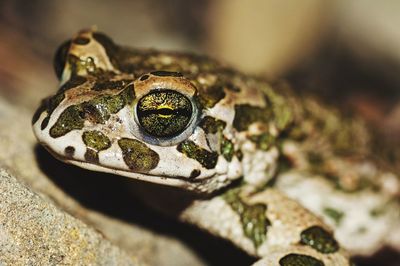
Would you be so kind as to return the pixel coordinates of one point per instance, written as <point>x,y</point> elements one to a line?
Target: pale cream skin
<point>235,136</point>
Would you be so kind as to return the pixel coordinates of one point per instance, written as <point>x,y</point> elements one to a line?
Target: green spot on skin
<point>294,259</point>
<point>69,120</point>
<point>334,214</point>
<point>319,239</point>
<point>263,141</point>
<point>137,155</point>
<point>227,149</point>
<point>96,111</point>
<point>252,217</point>
<point>210,125</point>
<point>193,151</point>
<point>96,140</point>
<point>245,115</point>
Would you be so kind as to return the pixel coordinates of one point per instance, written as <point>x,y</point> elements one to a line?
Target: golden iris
<point>164,113</point>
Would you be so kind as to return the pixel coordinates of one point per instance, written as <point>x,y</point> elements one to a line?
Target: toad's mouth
<point>188,182</point>
<point>174,181</point>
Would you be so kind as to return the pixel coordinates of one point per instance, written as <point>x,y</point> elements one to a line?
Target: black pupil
<point>165,111</point>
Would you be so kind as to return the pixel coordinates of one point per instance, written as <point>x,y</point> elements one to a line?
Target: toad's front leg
<point>268,225</point>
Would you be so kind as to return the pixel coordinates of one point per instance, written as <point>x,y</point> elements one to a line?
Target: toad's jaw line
<point>158,179</point>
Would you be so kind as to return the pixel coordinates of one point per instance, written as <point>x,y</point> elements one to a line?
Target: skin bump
<point>193,151</point>
<point>294,259</point>
<point>137,155</point>
<point>319,239</point>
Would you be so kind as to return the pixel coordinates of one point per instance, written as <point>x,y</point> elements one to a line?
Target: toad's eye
<point>164,113</point>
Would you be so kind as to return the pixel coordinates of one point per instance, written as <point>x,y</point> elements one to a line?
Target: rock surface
<point>35,232</point>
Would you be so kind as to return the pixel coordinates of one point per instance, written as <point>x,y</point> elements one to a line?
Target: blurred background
<point>346,52</point>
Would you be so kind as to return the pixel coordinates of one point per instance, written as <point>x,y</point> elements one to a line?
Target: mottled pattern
<point>97,110</point>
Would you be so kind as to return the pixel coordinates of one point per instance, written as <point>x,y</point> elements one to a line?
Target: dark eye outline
<point>60,58</point>
<point>140,132</point>
<point>162,111</point>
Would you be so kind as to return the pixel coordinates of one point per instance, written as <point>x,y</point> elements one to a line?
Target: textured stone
<point>35,232</point>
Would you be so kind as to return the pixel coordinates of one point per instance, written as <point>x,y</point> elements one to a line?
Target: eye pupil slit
<point>166,111</point>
